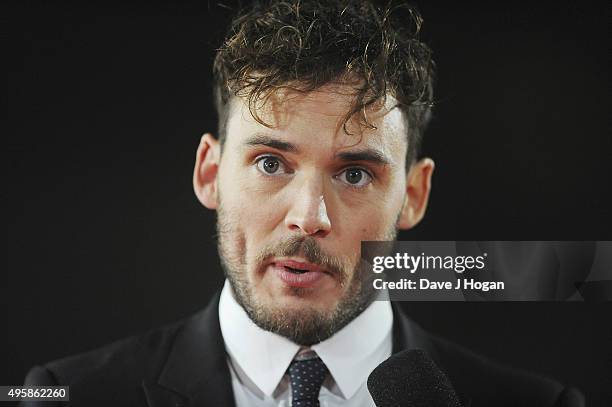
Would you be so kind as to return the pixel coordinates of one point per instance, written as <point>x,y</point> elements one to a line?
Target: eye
<point>270,165</point>
<point>355,177</point>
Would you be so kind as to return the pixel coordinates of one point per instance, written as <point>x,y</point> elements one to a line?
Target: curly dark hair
<point>305,44</point>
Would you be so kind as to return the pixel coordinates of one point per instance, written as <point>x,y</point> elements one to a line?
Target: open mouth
<point>295,271</point>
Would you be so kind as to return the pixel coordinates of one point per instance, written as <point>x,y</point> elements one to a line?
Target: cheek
<point>238,195</point>
<point>374,229</point>
<point>371,220</point>
<point>253,209</point>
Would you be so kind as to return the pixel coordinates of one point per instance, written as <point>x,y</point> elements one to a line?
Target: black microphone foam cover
<point>411,379</point>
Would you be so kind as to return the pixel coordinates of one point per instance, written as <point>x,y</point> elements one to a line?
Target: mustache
<point>309,249</point>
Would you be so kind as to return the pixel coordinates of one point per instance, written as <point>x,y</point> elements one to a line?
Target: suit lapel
<point>196,373</point>
<point>407,334</point>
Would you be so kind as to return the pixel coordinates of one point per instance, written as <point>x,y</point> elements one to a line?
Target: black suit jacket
<point>184,365</point>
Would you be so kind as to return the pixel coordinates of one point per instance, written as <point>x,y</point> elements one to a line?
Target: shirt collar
<point>354,351</point>
<point>262,355</point>
<point>350,355</point>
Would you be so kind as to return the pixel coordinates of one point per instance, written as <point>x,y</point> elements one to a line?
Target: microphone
<point>411,379</point>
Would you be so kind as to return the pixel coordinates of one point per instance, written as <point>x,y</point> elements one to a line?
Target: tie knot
<point>306,376</point>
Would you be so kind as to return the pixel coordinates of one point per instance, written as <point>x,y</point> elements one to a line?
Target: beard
<point>304,326</point>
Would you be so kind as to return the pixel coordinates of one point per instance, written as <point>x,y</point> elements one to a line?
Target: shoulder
<point>112,374</point>
<point>134,355</point>
<point>482,381</point>
<point>164,366</point>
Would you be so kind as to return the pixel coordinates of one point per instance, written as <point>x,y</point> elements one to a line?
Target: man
<point>321,106</point>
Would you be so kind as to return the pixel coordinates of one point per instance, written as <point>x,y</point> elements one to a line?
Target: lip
<point>308,279</point>
<point>300,265</point>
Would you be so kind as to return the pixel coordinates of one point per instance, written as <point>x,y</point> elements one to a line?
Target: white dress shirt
<point>258,359</point>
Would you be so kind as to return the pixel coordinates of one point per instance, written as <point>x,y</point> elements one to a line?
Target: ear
<point>205,171</point>
<point>418,185</point>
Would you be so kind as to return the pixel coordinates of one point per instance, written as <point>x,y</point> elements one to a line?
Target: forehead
<point>320,117</point>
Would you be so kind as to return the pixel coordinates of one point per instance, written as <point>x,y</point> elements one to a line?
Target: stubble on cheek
<point>232,242</point>
<point>234,257</point>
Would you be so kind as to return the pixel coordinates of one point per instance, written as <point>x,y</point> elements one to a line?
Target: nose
<point>308,212</point>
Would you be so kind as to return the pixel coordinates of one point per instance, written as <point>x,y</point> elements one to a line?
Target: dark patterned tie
<point>307,376</point>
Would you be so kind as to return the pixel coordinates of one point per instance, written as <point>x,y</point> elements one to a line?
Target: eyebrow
<point>263,140</point>
<point>368,154</point>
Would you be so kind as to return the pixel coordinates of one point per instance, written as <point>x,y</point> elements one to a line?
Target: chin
<point>298,297</point>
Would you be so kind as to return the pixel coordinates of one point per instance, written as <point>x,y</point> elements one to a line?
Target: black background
<point>103,108</point>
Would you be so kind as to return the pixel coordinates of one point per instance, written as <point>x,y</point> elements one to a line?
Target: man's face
<point>296,200</point>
